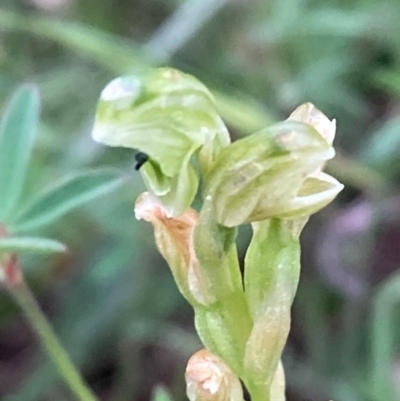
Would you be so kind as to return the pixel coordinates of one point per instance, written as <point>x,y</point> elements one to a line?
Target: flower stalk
<point>20,292</point>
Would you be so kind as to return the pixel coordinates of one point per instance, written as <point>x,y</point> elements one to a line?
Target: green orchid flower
<point>171,118</point>
<point>273,173</point>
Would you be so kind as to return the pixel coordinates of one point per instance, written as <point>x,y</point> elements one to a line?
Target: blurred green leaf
<point>383,340</point>
<point>17,136</point>
<point>357,174</point>
<point>65,196</point>
<point>243,112</point>
<point>97,309</point>
<point>388,80</point>
<point>31,244</point>
<point>335,22</point>
<point>111,50</point>
<point>116,54</point>
<point>381,150</point>
<point>161,394</point>
<point>180,27</point>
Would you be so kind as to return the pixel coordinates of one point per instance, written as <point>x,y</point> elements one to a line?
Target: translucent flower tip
<point>307,113</point>
<point>209,378</point>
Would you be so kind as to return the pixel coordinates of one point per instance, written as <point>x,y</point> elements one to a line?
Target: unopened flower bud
<point>209,378</point>
<point>170,117</point>
<point>174,239</point>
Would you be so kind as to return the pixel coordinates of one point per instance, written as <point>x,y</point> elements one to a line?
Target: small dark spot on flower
<point>140,158</point>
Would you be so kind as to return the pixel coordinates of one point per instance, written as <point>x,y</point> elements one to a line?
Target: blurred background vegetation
<point>111,298</point>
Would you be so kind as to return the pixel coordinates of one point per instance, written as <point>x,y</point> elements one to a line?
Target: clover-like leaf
<point>31,244</point>
<point>17,137</point>
<point>171,117</point>
<point>65,196</point>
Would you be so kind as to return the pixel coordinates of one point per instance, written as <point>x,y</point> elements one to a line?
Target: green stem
<point>25,299</point>
<point>259,393</point>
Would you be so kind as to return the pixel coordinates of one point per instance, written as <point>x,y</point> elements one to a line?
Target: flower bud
<point>209,378</point>
<point>169,116</point>
<point>174,239</point>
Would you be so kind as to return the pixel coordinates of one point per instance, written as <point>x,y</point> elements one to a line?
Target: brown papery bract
<point>174,239</point>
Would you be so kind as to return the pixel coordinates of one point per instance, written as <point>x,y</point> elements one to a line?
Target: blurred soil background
<point>112,299</point>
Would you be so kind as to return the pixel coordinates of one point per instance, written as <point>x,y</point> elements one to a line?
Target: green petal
<point>315,193</point>
<point>169,116</point>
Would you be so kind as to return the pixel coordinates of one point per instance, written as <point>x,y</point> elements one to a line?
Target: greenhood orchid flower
<point>171,118</point>
<point>273,173</point>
